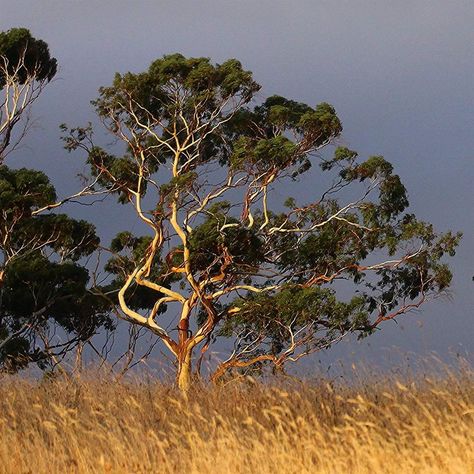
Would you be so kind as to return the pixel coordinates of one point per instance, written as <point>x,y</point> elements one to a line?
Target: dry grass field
<point>377,426</point>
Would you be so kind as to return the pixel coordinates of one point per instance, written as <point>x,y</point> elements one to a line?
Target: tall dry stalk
<point>380,426</point>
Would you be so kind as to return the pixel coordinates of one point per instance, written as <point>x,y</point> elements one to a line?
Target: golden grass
<point>381,426</point>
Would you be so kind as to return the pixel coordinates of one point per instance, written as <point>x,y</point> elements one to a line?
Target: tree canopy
<point>26,66</point>
<point>200,165</point>
<point>43,286</point>
<point>25,57</point>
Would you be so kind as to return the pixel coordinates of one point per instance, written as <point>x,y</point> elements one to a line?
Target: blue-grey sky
<point>400,74</point>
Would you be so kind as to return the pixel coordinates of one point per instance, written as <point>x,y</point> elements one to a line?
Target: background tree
<point>228,258</point>
<point>25,68</point>
<point>42,285</point>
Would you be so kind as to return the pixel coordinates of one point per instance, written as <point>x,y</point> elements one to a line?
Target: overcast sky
<point>400,74</point>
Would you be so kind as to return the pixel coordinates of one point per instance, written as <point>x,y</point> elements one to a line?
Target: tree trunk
<point>78,364</point>
<point>184,370</point>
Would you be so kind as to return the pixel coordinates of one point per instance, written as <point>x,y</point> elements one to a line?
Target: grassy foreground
<point>130,427</point>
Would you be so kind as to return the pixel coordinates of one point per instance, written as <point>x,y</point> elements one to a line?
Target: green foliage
<point>154,92</point>
<point>269,148</point>
<point>42,284</point>
<point>25,56</point>
<point>264,154</point>
<point>23,190</point>
<point>294,307</point>
<point>208,240</point>
<point>282,112</point>
<point>42,294</point>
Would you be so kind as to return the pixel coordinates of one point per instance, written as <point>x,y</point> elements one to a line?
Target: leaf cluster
<point>43,284</point>
<point>25,57</point>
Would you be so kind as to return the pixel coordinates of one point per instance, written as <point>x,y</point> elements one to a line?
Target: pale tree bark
<point>184,372</point>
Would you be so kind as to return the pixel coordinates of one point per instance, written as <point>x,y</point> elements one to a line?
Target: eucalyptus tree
<point>42,285</point>
<point>26,67</point>
<point>199,167</point>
